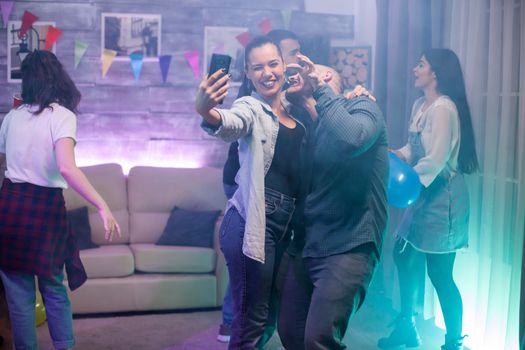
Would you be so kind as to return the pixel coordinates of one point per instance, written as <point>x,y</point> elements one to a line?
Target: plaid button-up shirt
<point>33,233</point>
<point>346,203</point>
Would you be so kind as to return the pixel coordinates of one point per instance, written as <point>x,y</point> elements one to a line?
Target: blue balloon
<point>403,183</point>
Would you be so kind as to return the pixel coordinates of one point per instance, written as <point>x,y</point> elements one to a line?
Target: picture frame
<point>223,40</point>
<point>354,65</point>
<point>128,33</point>
<point>35,38</point>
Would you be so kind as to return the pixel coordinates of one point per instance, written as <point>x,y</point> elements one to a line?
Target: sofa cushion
<point>153,192</point>
<point>189,228</point>
<point>110,182</point>
<point>108,261</point>
<point>78,227</point>
<point>145,292</point>
<point>173,259</point>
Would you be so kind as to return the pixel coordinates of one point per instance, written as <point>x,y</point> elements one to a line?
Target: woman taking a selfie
<point>254,229</point>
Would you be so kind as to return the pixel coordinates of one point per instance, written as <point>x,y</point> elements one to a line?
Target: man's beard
<point>298,96</point>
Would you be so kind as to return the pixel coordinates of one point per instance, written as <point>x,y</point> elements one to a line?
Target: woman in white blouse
<point>441,149</point>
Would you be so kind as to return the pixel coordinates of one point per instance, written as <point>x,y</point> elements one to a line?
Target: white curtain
<point>489,38</point>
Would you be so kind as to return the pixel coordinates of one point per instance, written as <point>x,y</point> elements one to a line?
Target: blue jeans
<point>21,294</point>
<point>227,307</point>
<point>253,284</point>
<point>227,303</point>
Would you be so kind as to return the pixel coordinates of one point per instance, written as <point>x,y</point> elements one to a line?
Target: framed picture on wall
<point>35,38</point>
<point>128,33</point>
<point>224,40</point>
<point>353,64</point>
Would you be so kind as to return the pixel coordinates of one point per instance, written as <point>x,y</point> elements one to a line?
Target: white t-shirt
<point>440,138</point>
<point>28,141</point>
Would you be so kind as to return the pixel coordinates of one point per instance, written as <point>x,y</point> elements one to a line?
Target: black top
<point>231,167</point>
<point>284,172</point>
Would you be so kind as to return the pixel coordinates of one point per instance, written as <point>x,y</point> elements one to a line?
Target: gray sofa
<point>132,273</point>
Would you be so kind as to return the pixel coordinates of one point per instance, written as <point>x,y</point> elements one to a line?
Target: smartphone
<point>219,61</point>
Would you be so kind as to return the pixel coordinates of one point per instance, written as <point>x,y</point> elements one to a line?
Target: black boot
<point>453,344</point>
<point>404,333</point>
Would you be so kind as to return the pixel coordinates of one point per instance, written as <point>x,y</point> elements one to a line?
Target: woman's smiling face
<point>265,69</point>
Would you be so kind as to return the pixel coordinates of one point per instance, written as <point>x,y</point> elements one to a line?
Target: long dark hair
<point>44,81</point>
<point>445,64</point>
<point>246,87</point>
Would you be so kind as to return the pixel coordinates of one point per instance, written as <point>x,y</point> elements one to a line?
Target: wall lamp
<point>26,42</point>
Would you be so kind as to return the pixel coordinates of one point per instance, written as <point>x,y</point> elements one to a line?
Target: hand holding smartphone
<point>218,62</point>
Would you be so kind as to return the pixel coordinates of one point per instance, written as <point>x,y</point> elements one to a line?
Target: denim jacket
<point>251,121</point>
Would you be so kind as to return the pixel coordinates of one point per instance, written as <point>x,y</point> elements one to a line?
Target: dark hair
<point>246,87</point>
<point>449,76</point>
<point>44,81</point>
<point>278,35</point>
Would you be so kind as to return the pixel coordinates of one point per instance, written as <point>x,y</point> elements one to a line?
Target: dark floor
<point>197,330</point>
<point>372,321</point>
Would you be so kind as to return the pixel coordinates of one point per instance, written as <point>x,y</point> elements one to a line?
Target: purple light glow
<point>91,154</point>
<point>128,164</point>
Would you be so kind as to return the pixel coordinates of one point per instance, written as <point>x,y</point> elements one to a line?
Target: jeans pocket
<point>270,206</point>
<point>225,223</point>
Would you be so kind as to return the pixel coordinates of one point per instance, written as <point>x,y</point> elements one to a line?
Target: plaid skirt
<point>34,237</point>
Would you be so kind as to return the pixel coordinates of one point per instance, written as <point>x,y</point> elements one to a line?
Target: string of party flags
<point>136,59</point>
<point>6,7</point>
<point>192,57</point>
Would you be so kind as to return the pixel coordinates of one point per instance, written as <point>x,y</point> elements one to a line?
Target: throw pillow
<point>189,228</point>
<point>78,227</point>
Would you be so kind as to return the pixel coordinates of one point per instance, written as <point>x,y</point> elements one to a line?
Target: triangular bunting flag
<point>27,21</point>
<point>6,7</point>
<point>136,64</point>
<point>243,38</point>
<point>265,25</point>
<point>287,16</point>
<point>164,62</point>
<point>193,59</point>
<point>107,60</point>
<point>80,50</point>
<point>53,34</point>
